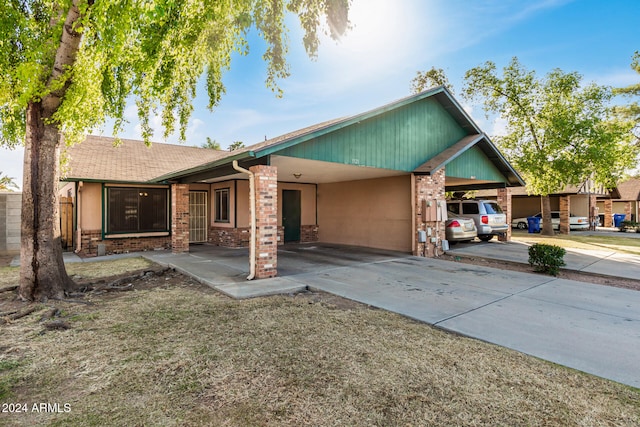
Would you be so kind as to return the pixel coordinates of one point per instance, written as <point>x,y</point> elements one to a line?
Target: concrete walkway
<point>592,328</point>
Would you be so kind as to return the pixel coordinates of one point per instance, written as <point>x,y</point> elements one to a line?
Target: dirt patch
<point>598,279</point>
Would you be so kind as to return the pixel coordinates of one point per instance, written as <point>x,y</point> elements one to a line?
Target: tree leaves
<point>153,50</point>
<point>558,131</point>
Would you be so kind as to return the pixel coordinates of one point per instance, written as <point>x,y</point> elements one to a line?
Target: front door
<point>291,209</point>
<point>198,224</point>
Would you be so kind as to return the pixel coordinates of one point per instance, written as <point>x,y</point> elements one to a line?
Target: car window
<point>453,207</point>
<point>470,209</point>
<point>555,215</point>
<point>492,207</point>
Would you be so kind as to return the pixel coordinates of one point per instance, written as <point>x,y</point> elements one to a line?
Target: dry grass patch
<point>84,270</point>
<point>177,353</point>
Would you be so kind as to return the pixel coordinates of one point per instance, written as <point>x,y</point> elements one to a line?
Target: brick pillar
<point>565,208</point>
<point>627,211</point>
<point>504,200</point>
<point>266,189</point>
<point>179,218</point>
<point>608,213</point>
<point>593,212</point>
<point>428,190</point>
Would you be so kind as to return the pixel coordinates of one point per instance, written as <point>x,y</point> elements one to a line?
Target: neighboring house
<point>586,200</point>
<point>629,199</point>
<point>376,179</point>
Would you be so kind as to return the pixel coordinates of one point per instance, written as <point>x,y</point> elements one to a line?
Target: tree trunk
<point>42,271</point>
<point>547,223</point>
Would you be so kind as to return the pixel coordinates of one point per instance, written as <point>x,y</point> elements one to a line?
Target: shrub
<point>546,258</point>
<point>630,225</point>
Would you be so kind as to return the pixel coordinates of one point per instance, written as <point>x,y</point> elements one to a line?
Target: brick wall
<point>266,192</point>
<point>428,188</point>
<point>504,200</point>
<point>91,239</point>
<point>565,208</point>
<point>308,233</point>
<point>608,213</point>
<point>230,237</point>
<point>179,218</point>
<point>627,211</point>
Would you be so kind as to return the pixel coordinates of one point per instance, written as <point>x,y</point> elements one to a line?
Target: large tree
<point>67,65</point>
<point>558,131</point>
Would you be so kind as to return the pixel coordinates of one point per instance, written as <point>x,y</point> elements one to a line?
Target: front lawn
<point>173,352</point>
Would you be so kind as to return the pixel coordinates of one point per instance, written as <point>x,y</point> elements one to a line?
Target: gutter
<point>252,209</point>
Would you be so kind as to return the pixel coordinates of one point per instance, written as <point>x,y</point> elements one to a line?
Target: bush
<point>630,225</point>
<point>546,258</point>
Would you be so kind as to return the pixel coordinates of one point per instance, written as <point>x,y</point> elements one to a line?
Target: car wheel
<point>522,226</point>
<point>486,237</point>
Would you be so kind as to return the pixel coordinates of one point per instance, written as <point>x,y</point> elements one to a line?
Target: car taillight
<point>485,219</point>
<point>454,223</point>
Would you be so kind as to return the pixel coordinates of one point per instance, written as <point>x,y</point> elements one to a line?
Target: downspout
<point>79,216</point>
<point>252,210</point>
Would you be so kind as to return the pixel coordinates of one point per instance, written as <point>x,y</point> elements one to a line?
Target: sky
<point>390,41</point>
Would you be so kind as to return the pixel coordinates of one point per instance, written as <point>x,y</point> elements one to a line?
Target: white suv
<point>489,218</point>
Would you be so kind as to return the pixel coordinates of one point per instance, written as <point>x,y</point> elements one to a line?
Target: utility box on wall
<point>10,209</point>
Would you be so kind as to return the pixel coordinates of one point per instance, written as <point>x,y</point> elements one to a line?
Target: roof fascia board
<point>468,187</point>
<point>172,176</point>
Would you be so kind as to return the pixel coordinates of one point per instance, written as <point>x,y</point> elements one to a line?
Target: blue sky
<point>392,40</point>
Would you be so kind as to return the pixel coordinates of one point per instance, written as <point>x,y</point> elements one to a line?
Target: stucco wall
<point>10,208</point>
<point>90,209</point>
<point>307,201</point>
<point>374,213</point>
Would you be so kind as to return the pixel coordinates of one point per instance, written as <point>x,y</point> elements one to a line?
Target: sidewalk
<point>607,262</point>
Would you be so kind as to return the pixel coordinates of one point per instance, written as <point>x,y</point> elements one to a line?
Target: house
<point>376,179</point>
<point>629,199</point>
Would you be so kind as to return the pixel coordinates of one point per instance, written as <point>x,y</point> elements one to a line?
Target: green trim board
<point>474,163</point>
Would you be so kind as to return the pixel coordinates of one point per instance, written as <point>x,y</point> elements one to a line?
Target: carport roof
<point>259,153</point>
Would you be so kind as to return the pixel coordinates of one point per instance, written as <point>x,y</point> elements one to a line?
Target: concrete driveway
<point>592,328</point>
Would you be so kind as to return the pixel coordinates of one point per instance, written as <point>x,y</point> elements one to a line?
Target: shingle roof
<point>630,189</point>
<point>96,158</point>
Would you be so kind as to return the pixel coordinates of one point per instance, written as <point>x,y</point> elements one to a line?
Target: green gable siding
<point>400,139</point>
<point>474,162</point>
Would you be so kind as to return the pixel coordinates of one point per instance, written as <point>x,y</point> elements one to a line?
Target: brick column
<point>266,188</point>
<point>608,213</point>
<point>428,190</point>
<point>565,208</point>
<point>593,212</point>
<point>627,211</point>
<point>504,200</point>
<point>179,218</point>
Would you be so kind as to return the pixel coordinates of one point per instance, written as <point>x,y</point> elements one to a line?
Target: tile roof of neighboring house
<point>96,158</point>
<point>630,189</point>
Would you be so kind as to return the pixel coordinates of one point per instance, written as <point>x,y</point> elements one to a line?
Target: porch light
<point>297,175</point>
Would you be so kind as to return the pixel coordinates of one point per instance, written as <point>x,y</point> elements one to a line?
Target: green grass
<point>584,241</point>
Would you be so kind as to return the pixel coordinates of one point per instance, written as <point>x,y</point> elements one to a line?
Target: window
<point>137,210</point>
<point>222,205</point>
<point>470,209</point>
<point>492,208</point>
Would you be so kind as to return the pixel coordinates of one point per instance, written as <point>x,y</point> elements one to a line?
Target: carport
<point>376,179</point>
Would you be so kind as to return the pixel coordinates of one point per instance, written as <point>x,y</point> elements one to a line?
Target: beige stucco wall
<point>374,213</point>
<point>90,206</point>
<point>307,202</point>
